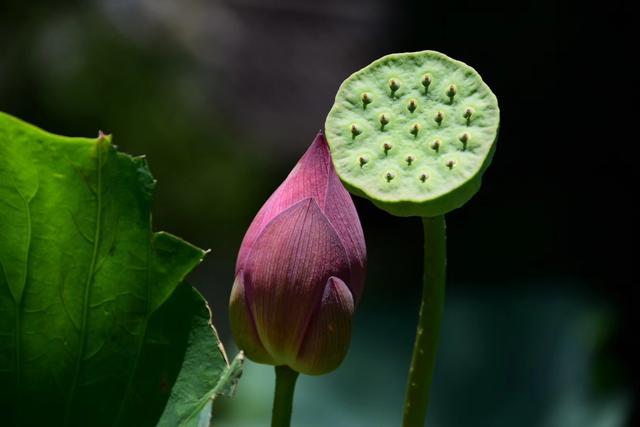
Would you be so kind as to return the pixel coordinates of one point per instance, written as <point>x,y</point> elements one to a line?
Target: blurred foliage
<point>506,358</point>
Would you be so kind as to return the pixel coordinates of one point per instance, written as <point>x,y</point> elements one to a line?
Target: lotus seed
<point>386,147</point>
<point>426,81</point>
<point>424,177</point>
<point>451,92</point>
<point>394,86</point>
<point>412,106</point>
<point>464,138</point>
<point>435,145</point>
<point>409,160</point>
<point>389,176</point>
<point>438,118</point>
<point>450,164</point>
<point>414,129</point>
<point>384,120</point>
<point>366,99</point>
<point>467,115</point>
<point>355,131</point>
<point>363,161</point>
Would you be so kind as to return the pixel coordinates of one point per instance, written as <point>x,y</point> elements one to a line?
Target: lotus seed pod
<point>422,106</point>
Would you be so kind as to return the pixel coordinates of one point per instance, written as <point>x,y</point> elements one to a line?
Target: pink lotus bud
<point>300,271</point>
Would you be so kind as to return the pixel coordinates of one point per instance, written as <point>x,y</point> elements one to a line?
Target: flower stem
<point>283,397</point>
<point>426,341</point>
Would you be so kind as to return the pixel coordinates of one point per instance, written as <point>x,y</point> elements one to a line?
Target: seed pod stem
<point>426,342</point>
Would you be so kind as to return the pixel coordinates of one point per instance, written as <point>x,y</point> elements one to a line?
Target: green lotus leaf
<point>97,326</point>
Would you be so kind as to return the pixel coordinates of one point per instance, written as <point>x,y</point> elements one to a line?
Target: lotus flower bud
<point>300,271</point>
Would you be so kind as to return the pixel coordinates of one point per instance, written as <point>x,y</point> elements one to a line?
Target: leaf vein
<point>18,298</point>
<point>129,388</point>
<point>89,281</point>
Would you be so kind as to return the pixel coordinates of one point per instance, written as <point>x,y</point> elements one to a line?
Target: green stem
<point>426,342</point>
<point>283,398</point>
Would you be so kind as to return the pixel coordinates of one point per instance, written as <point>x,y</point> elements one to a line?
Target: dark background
<point>224,96</point>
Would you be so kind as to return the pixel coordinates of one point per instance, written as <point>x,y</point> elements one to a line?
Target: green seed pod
<point>437,111</point>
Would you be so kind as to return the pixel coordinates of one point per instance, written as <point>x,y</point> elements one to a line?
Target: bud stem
<point>426,341</point>
<point>283,397</point>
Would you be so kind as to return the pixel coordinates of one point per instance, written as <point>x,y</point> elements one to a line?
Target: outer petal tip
<point>309,179</point>
<point>243,326</point>
<point>342,214</point>
<point>328,336</point>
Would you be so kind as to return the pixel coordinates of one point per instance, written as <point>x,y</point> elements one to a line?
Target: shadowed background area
<point>224,96</point>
